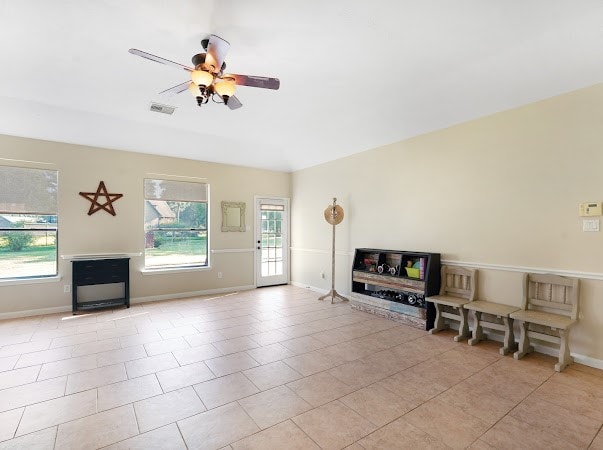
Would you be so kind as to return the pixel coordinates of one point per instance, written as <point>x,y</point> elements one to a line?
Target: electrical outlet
<point>67,288</point>
<point>219,274</point>
<point>322,275</point>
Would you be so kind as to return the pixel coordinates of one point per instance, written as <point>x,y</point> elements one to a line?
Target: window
<point>175,224</point>
<point>28,222</point>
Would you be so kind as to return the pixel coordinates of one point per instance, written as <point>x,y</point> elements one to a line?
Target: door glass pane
<point>272,242</point>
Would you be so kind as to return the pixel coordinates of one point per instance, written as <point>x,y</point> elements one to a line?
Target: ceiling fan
<point>208,80</point>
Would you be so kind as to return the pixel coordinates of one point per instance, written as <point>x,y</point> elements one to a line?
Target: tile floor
<point>275,368</point>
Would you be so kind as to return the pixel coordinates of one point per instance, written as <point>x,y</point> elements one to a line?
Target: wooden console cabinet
<point>89,272</point>
<point>395,283</point>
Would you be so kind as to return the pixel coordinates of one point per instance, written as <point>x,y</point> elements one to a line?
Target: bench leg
<point>478,331</point>
<point>509,340</point>
<point>524,342</point>
<point>463,326</point>
<point>564,354</point>
<point>438,324</point>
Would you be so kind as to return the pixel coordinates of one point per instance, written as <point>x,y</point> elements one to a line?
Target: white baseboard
<point>35,312</point>
<point>588,361</point>
<point>315,289</point>
<point>134,300</point>
<point>312,288</point>
<point>157,298</point>
<point>550,351</point>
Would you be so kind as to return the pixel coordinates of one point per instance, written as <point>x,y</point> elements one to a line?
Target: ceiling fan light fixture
<point>194,89</point>
<point>224,88</point>
<point>202,78</point>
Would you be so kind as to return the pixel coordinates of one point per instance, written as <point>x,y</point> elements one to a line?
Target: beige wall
<point>502,190</point>
<point>81,168</point>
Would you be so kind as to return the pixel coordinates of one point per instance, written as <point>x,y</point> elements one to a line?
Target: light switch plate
<point>590,209</point>
<point>590,224</point>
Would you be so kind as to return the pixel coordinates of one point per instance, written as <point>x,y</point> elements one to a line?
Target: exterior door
<point>272,241</point>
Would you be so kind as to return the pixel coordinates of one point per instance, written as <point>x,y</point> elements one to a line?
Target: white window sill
<point>32,280</point>
<point>166,270</point>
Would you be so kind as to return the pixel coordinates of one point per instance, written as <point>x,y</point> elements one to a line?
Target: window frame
<point>53,229</point>
<point>199,229</point>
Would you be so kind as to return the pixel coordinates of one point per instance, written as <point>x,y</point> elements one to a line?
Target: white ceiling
<point>354,74</point>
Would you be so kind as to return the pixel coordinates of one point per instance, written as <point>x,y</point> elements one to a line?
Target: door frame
<point>256,232</point>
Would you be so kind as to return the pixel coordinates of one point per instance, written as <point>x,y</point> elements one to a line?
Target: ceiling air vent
<point>165,109</point>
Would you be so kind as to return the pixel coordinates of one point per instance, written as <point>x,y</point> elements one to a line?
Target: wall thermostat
<point>590,209</point>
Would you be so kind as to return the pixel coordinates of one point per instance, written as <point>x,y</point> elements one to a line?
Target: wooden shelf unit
<point>88,272</point>
<point>382,285</point>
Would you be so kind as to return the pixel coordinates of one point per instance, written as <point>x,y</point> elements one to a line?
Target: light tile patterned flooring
<point>275,368</point>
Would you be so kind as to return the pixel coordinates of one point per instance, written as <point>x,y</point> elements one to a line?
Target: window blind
<point>180,191</point>
<point>28,191</point>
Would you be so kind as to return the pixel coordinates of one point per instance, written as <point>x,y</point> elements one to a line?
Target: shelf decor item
<point>412,272</point>
<point>334,216</point>
<point>96,205</point>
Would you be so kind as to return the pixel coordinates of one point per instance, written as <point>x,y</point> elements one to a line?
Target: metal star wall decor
<point>101,192</point>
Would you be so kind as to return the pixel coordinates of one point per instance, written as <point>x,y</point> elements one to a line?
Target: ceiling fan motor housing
<point>199,62</point>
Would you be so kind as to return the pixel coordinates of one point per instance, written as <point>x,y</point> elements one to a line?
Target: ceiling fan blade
<point>177,89</point>
<point>234,103</point>
<point>216,50</point>
<point>159,59</point>
<point>255,81</point>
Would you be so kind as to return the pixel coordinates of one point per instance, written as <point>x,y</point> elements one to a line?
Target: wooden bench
<point>457,288</point>
<point>498,319</point>
<point>550,309</point>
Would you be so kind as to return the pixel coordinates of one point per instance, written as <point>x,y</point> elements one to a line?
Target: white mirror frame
<point>228,209</point>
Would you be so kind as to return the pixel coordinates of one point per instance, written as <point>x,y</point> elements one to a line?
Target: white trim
<point>479,265</point>
<point>157,298</point>
<point>35,163</point>
<point>167,270</point>
<point>233,250</point>
<point>175,176</point>
<point>35,312</point>
<point>102,256</point>
<point>136,300</point>
<point>325,252</point>
<point>33,280</point>
<point>588,361</point>
<point>312,288</point>
<point>545,350</point>
<point>507,268</point>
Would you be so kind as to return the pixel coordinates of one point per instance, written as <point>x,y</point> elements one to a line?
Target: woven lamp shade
<point>334,215</point>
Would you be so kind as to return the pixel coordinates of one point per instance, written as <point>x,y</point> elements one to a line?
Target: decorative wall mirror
<point>233,216</point>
